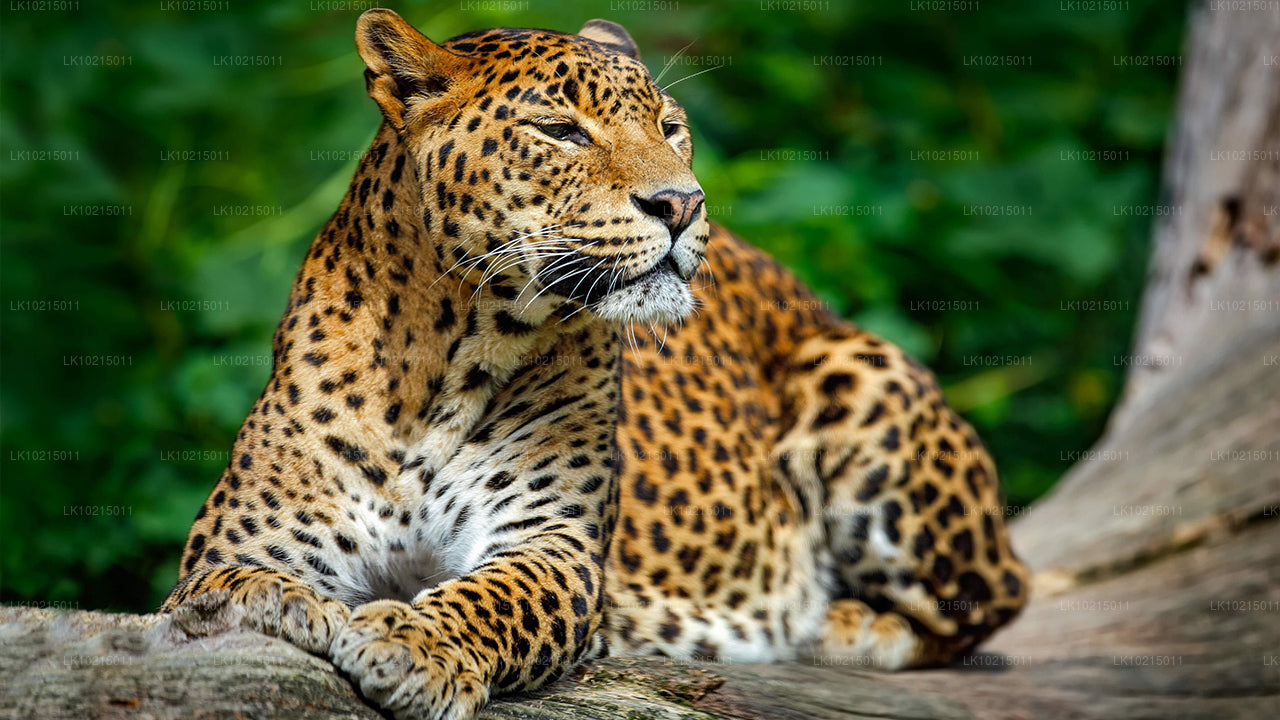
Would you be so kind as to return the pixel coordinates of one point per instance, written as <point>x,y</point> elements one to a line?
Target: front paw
<point>273,605</point>
<point>402,662</point>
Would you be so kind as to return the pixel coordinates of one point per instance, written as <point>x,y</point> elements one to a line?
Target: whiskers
<point>614,274</point>
<point>694,75</point>
<point>709,281</point>
<point>568,258</point>
<point>524,248</point>
<point>673,60</point>
<point>649,330</point>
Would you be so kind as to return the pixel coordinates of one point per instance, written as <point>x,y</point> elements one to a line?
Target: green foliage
<point>875,209</point>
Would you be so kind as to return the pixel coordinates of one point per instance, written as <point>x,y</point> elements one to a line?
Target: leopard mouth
<point>659,294</point>
<point>588,279</point>
<point>667,264</point>
<point>585,279</point>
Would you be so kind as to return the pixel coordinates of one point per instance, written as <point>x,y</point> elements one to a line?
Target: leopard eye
<point>670,128</point>
<point>563,131</point>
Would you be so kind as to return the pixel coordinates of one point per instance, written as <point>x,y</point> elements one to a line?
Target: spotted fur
<point>474,466</point>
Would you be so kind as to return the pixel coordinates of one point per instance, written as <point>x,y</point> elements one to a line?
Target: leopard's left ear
<point>405,69</point>
<point>611,35</point>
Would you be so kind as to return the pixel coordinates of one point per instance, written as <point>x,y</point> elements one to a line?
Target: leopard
<point>529,407</point>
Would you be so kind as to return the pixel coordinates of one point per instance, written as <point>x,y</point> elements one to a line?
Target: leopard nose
<point>674,208</point>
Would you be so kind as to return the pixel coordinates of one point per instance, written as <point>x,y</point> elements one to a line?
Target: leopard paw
<point>291,611</point>
<point>856,633</point>
<point>401,662</point>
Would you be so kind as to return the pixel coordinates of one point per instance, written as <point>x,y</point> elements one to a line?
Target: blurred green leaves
<point>921,190</point>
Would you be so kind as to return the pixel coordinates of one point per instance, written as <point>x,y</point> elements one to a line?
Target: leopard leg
<point>517,622</point>
<point>911,515</point>
<point>524,527</point>
<point>275,604</point>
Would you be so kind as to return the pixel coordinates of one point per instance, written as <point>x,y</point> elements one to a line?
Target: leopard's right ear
<point>405,68</point>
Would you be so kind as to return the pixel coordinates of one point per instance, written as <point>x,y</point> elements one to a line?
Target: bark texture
<point>1157,588</point>
<point>1213,278</point>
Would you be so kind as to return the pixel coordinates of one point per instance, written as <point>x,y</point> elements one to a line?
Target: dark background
<point>954,176</point>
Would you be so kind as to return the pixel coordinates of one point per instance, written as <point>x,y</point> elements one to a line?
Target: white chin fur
<point>659,298</point>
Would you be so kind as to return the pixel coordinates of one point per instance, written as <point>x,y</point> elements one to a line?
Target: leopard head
<point>551,163</point>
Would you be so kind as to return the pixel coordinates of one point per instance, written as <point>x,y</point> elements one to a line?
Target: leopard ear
<point>404,66</point>
<point>611,35</point>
